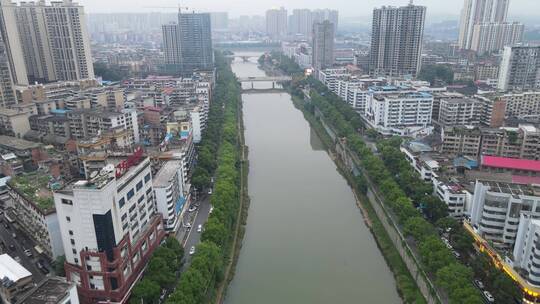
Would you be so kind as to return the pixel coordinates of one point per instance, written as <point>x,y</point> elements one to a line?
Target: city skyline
<point>239,7</point>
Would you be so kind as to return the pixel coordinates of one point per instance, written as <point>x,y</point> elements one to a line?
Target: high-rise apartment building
<point>301,22</point>
<point>188,44</point>
<point>491,37</point>
<point>195,33</point>
<point>484,28</point>
<point>171,47</point>
<point>55,41</point>
<point>12,42</point>
<point>276,23</point>
<point>7,93</point>
<point>323,45</point>
<point>520,68</point>
<point>219,20</point>
<point>396,40</point>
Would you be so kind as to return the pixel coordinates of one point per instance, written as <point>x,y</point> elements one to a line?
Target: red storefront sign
<point>131,161</point>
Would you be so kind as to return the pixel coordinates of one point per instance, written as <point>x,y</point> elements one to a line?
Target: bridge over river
<point>267,79</point>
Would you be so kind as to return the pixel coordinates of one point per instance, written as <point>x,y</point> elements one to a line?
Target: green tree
<point>145,291</point>
<point>434,208</point>
<point>434,73</point>
<point>200,179</point>
<point>59,269</point>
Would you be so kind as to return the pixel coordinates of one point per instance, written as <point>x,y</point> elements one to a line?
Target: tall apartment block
<point>110,227</point>
<point>520,68</point>
<point>396,40</point>
<point>171,47</point>
<point>188,44</point>
<point>7,92</point>
<point>491,37</point>
<point>196,41</point>
<point>323,45</point>
<point>302,20</point>
<point>276,23</point>
<point>12,42</point>
<point>55,41</point>
<point>484,28</point>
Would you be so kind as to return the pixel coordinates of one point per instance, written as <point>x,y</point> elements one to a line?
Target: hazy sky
<point>347,8</point>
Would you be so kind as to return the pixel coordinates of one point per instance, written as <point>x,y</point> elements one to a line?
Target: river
<point>305,241</point>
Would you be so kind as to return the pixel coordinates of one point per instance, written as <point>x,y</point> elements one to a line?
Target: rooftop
<point>11,269</point>
<point>510,163</point>
<point>513,189</point>
<point>36,187</point>
<point>13,143</point>
<point>166,173</point>
<point>51,290</point>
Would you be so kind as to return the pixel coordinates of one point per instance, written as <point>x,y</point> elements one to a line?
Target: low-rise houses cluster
<point>100,174</point>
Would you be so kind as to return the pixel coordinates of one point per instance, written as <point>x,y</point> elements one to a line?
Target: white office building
<point>171,194</point>
<point>525,253</point>
<point>110,219</point>
<point>496,210</point>
<point>393,110</point>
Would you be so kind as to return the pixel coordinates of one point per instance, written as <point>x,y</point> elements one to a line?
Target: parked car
<point>12,247</point>
<point>199,228</point>
<point>41,267</point>
<point>17,259</point>
<point>192,208</point>
<point>6,225</point>
<point>211,209</point>
<point>210,191</point>
<point>13,235</point>
<point>479,284</point>
<point>489,297</point>
<point>28,253</point>
<point>456,254</point>
<point>192,250</point>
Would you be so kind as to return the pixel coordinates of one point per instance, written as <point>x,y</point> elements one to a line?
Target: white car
<point>17,259</point>
<point>489,297</point>
<point>199,228</point>
<point>192,208</point>
<point>210,191</point>
<point>211,209</point>
<point>479,284</point>
<point>28,253</point>
<point>192,250</point>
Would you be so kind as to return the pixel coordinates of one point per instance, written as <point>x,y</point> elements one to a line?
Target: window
<point>74,251</point>
<point>68,219</point>
<point>122,202</point>
<point>76,260</point>
<point>147,178</point>
<point>72,241</point>
<point>139,185</point>
<point>71,232</point>
<point>130,194</point>
<point>140,199</point>
<point>67,202</point>
<point>124,216</point>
